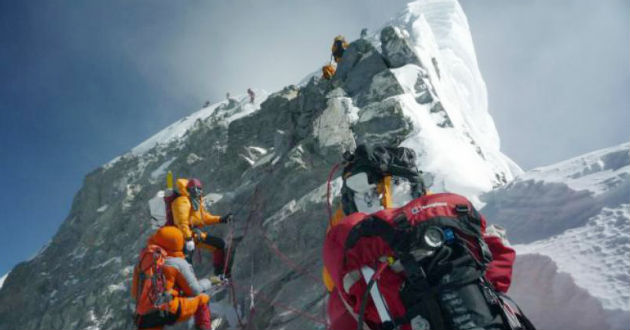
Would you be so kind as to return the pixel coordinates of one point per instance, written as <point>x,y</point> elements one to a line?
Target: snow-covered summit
<point>441,37</point>
<point>455,137</point>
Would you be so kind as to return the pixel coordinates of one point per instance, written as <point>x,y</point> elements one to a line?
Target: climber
<point>396,256</point>
<point>338,47</point>
<point>328,71</point>
<point>164,285</point>
<point>252,95</point>
<point>190,215</point>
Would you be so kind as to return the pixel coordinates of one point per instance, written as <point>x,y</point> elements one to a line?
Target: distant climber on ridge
<point>190,215</point>
<point>398,257</point>
<point>164,285</point>
<point>252,95</point>
<point>339,47</point>
<point>328,71</point>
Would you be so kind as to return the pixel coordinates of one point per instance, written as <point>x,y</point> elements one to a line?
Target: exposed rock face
<point>268,165</point>
<point>397,49</point>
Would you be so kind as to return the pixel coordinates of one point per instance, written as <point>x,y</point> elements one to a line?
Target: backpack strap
<point>469,217</point>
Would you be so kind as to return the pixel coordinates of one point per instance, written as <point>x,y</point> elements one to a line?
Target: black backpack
<point>338,48</point>
<point>378,161</point>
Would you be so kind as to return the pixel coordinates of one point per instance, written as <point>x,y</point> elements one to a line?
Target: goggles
<point>195,192</point>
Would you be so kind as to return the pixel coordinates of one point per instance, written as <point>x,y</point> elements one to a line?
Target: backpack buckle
<point>462,208</point>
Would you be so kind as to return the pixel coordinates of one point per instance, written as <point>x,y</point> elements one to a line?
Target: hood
<point>181,184</point>
<point>170,239</point>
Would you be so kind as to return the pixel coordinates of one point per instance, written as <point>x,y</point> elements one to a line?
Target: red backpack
<point>425,265</point>
<point>168,200</point>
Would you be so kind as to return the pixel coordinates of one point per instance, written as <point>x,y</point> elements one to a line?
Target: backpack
<point>338,46</point>
<point>390,271</point>
<point>328,71</point>
<point>378,161</point>
<point>169,197</point>
<point>149,289</point>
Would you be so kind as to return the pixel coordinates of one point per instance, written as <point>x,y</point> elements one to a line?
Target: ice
<point>162,169</point>
<point>117,260</point>
<point>116,287</point>
<point>4,277</point>
<point>213,197</point>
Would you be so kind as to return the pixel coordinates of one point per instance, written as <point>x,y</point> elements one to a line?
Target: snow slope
<point>2,279</point>
<point>597,255</point>
<point>576,215</point>
<point>239,106</point>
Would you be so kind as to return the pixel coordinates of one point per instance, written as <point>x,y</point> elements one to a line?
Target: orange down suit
<point>180,280</point>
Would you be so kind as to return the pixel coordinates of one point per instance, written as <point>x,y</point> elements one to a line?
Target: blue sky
<point>82,82</point>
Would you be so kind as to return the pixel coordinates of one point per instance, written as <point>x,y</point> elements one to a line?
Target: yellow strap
<point>384,188</point>
<point>169,180</point>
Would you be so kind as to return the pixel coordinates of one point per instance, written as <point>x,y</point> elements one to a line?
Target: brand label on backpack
<point>418,209</point>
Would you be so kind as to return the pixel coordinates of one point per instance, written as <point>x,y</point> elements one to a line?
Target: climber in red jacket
<point>396,255</point>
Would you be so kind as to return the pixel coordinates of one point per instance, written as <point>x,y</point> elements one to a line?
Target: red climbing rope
<point>283,306</point>
<point>290,263</point>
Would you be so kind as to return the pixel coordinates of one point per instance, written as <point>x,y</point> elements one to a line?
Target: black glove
<point>197,234</point>
<point>226,218</point>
